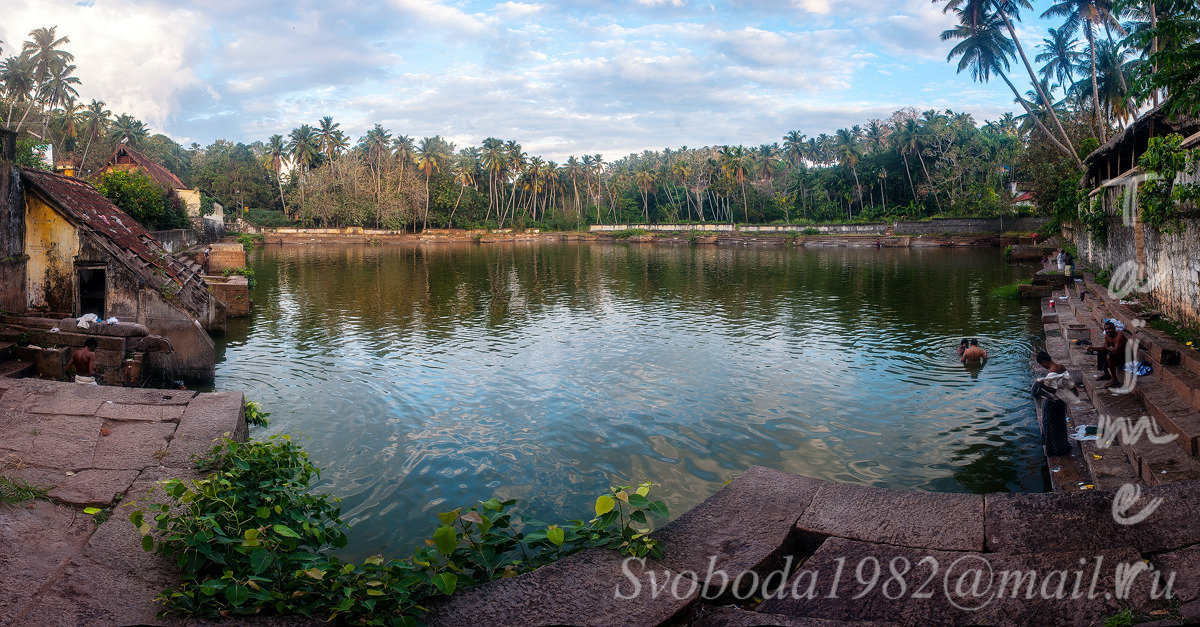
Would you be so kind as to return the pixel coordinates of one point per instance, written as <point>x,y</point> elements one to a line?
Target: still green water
<point>431,377</point>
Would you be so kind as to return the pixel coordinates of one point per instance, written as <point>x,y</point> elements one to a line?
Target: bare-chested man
<point>974,354</point>
<point>81,360</point>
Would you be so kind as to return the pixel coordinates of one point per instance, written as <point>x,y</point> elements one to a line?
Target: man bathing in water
<point>974,354</point>
<point>81,360</point>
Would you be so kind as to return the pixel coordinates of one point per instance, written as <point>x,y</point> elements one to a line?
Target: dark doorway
<point>91,291</point>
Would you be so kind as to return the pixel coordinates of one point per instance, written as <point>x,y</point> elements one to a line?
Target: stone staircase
<point>1168,398</point>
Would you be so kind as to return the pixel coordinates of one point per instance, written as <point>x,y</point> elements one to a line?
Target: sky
<point>562,78</point>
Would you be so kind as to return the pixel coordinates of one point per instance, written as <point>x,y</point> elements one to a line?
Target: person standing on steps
<point>81,361</point>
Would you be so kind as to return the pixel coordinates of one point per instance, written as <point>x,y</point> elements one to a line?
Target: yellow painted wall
<point>191,199</point>
<point>52,244</point>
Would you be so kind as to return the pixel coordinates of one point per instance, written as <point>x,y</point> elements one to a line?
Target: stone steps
<point>6,350</point>
<point>16,369</point>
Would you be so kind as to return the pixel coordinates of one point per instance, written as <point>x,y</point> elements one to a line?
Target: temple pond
<point>430,377</point>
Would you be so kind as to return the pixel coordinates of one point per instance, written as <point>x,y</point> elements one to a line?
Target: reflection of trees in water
<point>991,468</point>
<point>433,288</point>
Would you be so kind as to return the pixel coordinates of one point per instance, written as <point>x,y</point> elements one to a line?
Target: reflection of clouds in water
<point>614,364</point>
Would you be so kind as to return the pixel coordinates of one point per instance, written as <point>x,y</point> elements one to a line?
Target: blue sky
<point>562,78</point>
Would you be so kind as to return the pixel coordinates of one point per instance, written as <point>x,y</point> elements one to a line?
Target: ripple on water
<point>430,378</point>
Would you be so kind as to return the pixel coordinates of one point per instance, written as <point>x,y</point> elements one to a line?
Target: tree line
<point>1108,61</point>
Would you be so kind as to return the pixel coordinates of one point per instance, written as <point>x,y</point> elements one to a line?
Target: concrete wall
<point>935,226</point>
<point>1167,264</point>
<point>970,225</point>
<point>51,244</point>
<point>176,240</point>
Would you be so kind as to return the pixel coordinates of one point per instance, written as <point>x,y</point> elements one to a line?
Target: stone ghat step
<point>776,526</point>
<point>16,369</point>
<point>1157,463</point>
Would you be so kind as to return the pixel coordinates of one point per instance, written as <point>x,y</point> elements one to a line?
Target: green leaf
<point>604,504</point>
<point>446,540</point>
<point>237,595</point>
<point>260,559</point>
<point>448,518</point>
<point>643,489</point>
<point>147,543</point>
<point>637,500</point>
<point>659,508</point>
<point>555,535</point>
<point>285,531</point>
<point>91,511</point>
<point>446,582</point>
<point>136,518</point>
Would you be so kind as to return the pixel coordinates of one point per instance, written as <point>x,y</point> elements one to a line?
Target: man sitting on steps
<point>81,360</point>
<point>1110,360</point>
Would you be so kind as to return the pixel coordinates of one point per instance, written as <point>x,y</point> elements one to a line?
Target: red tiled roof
<point>155,170</point>
<point>1027,196</point>
<point>119,234</point>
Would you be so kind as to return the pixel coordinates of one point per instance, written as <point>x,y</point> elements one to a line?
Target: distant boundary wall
<point>936,226</point>
<point>176,240</point>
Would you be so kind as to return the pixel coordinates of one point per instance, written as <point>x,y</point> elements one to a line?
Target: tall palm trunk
<point>1038,121</point>
<point>936,200</point>
<point>911,187</point>
<point>1038,84</point>
<point>1095,90</point>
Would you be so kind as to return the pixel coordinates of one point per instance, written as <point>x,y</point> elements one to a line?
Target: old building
<point>65,250</point>
<point>1165,264</point>
<point>211,225</point>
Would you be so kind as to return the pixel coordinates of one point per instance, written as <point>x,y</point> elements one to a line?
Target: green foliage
<point>250,240</point>
<point>1161,198</point>
<point>255,416</point>
<point>138,195</point>
<point>1011,292</point>
<point>245,271</point>
<point>1008,250</point>
<point>267,218</point>
<point>1174,66</point>
<point>1187,335</point>
<point>13,491</point>
<point>808,230</point>
<point>251,539</point>
<point>29,154</point>
<point>1095,220</point>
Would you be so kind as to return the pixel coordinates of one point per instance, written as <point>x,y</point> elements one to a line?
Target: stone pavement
<point>94,446</point>
<point>876,556</point>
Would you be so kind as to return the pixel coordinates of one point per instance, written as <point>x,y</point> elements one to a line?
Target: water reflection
<point>435,376</point>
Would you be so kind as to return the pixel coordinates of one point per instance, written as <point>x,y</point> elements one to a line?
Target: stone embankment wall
<point>936,226</point>
<point>1167,264</point>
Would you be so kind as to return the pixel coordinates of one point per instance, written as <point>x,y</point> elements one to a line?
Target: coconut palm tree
<point>17,74</point>
<point>128,129</point>
<point>43,50</point>
<point>327,130</point>
<point>1088,15</point>
<point>848,153</point>
<point>1059,58</point>
<point>985,50</point>
<point>95,124</point>
<point>430,159</point>
<point>277,153</point>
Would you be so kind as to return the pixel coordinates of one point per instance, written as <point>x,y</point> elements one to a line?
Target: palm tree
<point>429,160</point>
<point>1060,58</point>
<point>848,152</point>
<point>128,129</point>
<point>95,123</point>
<point>327,130</point>
<point>985,51</point>
<point>1088,15</point>
<point>43,50</point>
<point>277,153</point>
<point>57,89</point>
<point>974,13</point>
<point>793,147</point>
<point>17,74</point>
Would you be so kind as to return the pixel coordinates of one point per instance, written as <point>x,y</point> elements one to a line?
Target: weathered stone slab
<point>746,526</point>
<point>35,541</point>
<point>207,419</point>
<point>93,487</point>
<point>1173,524</point>
<point>577,590</point>
<point>120,329</point>
<point>132,445</point>
<point>950,522</point>
<point>1185,564</point>
<point>932,593</point>
<point>1063,521</point>
<point>64,442</point>
<point>150,413</point>
<point>65,404</point>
